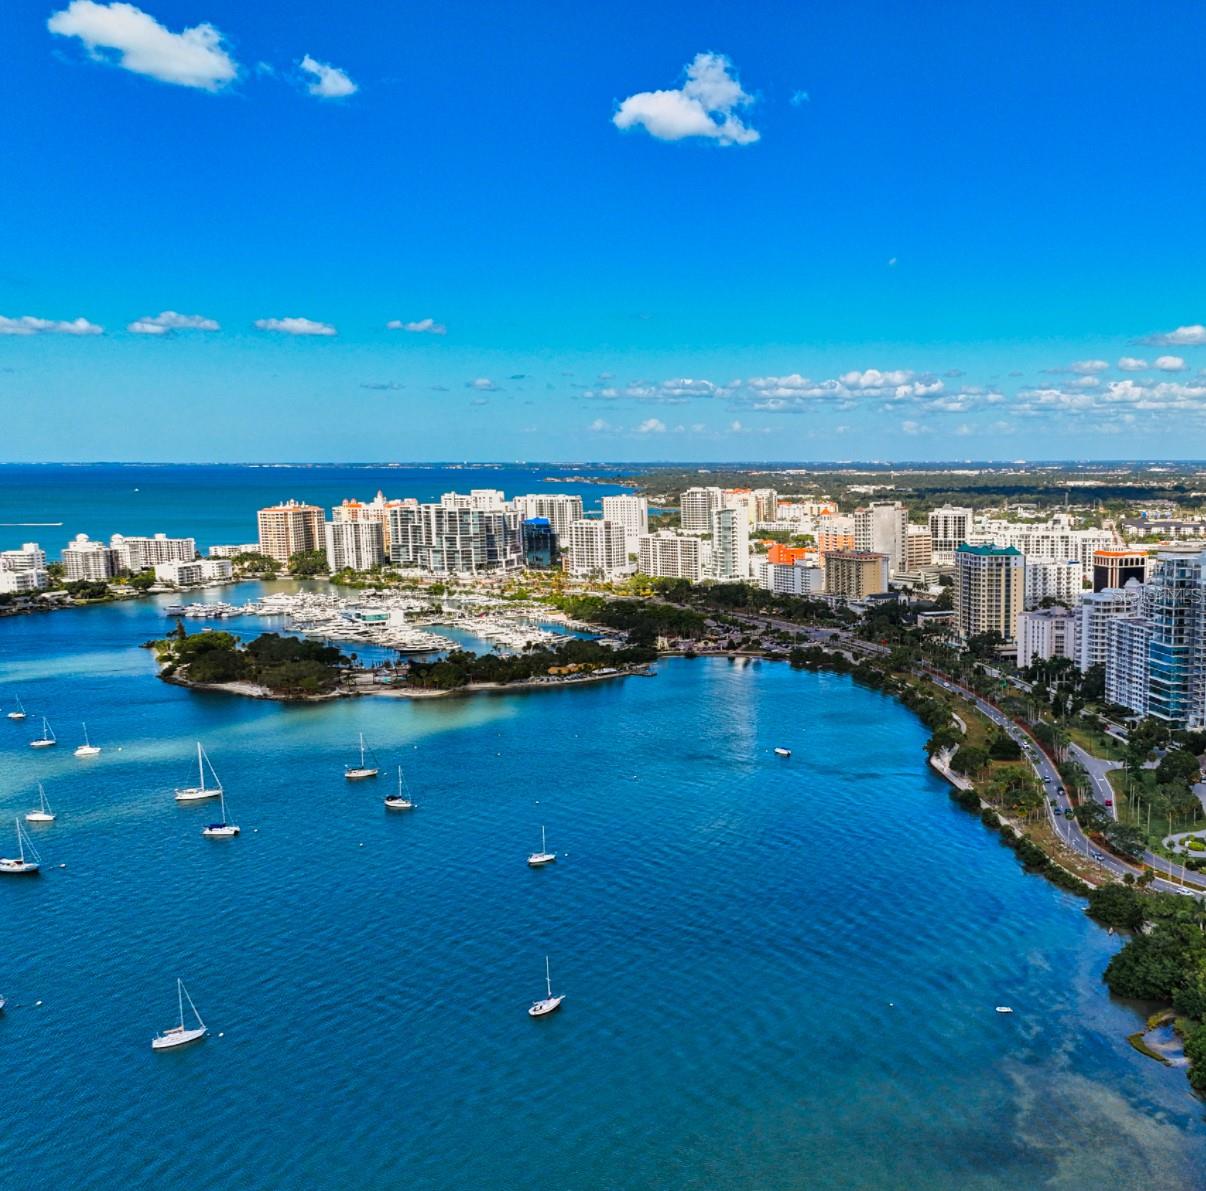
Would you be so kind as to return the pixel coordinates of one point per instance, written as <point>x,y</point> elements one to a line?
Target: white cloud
<point>1191,336</point>
<point>1090,366</point>
<point>736,427</point>
<point>1170,363</point>
<point>295,326</point>
<point>872,378</point>
<point>329,81</point>
<point>705,105</point>
<point>482,383</point>
<point>169,320</point>
<point>423,325</point>
<point>599,426</point>
<point>28,325</point>
<point>1132,364</point>
<point>911,427</point>
<point>652,426</point>
<point>192,58</point>
<point>799,97</point>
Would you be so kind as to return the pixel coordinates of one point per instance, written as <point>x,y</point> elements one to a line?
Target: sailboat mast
<point>361,750</point>
<point>548,979</point>
<point>543,844</point>
<point>200,768</point>
<point>180,998</point>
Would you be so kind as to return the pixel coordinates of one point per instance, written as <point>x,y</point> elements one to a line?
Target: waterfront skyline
<point>472,234</point>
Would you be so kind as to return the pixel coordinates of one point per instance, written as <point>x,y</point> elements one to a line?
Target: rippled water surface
<point>778,974</point>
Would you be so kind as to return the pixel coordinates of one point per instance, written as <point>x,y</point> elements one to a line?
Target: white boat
<point>43,814</point>
<point>3,1002</point>
<point>19,714</point>
<point>175,1036</point>
<point>780,751</point>
<point>550,1003</point>
<point>201,790</point>
<point>355,773</point>
<point>544,856</point>
<point>1004,1009</point>
<point>399,801</point>
<point>222,829</point>
<point>87,749</point>
<point>47,739</point>
<point>27,861</point>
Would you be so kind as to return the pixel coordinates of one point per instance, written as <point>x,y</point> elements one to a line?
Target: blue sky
<point>623,231</point>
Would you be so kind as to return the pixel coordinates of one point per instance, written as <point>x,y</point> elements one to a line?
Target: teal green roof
<point>964,548</point>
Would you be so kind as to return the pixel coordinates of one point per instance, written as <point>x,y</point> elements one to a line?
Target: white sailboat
<point>43,814</point>
<point>221,829</point>
<point>19,714</point>
<point>87,749</point>
<point>550,1003</point>
<point>175,1036</point>
<point>27,860</point>
<point>544,856</point>
<point>200,790</point>
<point>47,739</point>
<point>400,801</point>
<point>355,773</point>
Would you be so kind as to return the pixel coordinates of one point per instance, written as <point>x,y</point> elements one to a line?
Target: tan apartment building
<point>289,528</point>
<point>855,574</point>
<point>990,590</point>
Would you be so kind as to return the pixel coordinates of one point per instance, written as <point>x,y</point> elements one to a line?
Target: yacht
<point>43,814</point>
<point>221,829</point>
<point>549,1003</point>
<point>47,739</point>
<point>544,856</point>
<point>19,713</point>
<point>26,862</point>
<point>400,801</point>
<point>175,1036</point>
<point>201,790</point>
<point>87,749</point>
<point>355,773</point>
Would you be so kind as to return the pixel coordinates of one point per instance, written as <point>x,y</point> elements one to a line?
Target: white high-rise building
<point>1128,669</point>
<point>1056,538</point>
<point>85,559</point>
<point>597,550</point>
<point>1046,633</point>
<point>1053,578</point>
<point>31,557</point>
<point>632,512</point>
<point>882,528</point>
<point>357,545</point>
<point>142,553</point>
<point>696,507</point>
<point>666,555</point>
<point>560,509</point>
<point>1095,610</point>
<point>730,544</point>
<point>791,578</point>
<point>950,527</point>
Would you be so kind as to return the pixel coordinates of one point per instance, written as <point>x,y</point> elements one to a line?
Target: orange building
<point>834,539</point>
<point>788,555</point>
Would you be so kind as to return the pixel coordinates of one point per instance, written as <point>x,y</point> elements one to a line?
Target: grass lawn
<point>1132,806</point>
<point>1097,743</point>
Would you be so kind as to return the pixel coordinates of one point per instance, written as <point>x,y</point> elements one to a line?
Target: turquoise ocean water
<point>778,974</point>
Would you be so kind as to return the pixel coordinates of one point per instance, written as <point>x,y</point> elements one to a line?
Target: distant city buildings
<point>950,527</point>
<point>141,553</point>
<point>541,548</point>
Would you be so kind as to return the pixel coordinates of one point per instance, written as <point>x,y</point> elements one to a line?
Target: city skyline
<point>536,235</point>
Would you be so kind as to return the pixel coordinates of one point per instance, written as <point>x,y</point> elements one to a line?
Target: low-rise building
<point>800,578</point>
<point>201,570</point>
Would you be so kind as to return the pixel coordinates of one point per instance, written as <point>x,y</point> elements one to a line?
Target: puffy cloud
<point>28,325</point>
<point>1090,366</point>
<point>1170,363</point>
<point>599,426</point>
<point>295,326</point>
<point>704,106</point>
<point>910,427</point>
<point>1191,336</point>
<point>1132,364</point>
<point>872,378</point>
<point>329,81</point>
<point>423,326</point>
<point>652,426</point>
<point>192,58</point>
<point>798,98</point>
<point>169,320</point>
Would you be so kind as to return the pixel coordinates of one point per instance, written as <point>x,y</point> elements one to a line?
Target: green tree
<point>306,564</point>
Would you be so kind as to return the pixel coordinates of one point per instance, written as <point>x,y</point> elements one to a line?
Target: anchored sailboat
<point>43,814</point>
<point>27,860</point>
<point>47,739</point>
<point>355,773</point>
<point>544,856</point>
<point>222,829</point>
<point>175,1036</point>
<point>550,1003</point>
<point>400,801</point>
<point>87,749</point>
<point>200,790</point>
<point>19,713</point>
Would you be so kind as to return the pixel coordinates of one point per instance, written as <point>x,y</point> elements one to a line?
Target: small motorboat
<point>780,751</point>
<point>1004,1009</point>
